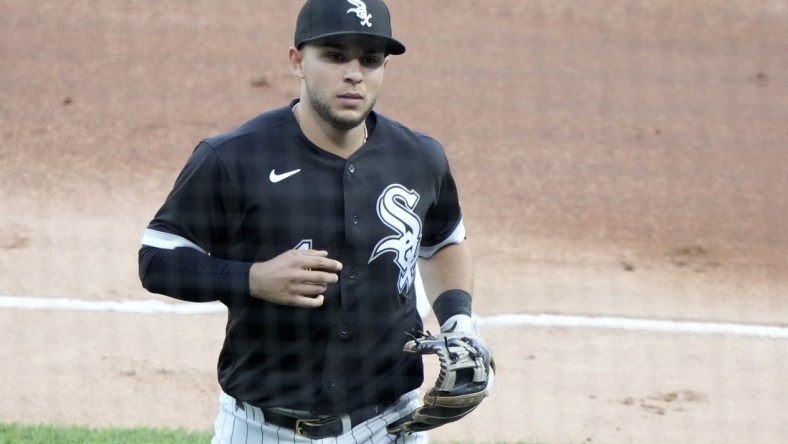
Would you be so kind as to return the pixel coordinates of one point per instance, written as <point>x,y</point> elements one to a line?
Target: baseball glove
<point>465,376</point>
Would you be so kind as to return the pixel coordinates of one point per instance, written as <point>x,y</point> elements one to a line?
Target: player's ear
<point>386,61</point>
<point>296,62</point>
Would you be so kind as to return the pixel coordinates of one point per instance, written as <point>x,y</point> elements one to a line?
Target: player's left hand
<point>296,278</point>
<point>465,379</point>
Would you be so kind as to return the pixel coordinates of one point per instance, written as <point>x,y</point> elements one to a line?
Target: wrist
<point>452,303</point>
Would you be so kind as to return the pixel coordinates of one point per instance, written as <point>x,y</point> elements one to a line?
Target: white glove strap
<point>463,323</point>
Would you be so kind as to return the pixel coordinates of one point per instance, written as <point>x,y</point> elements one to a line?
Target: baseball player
<point>308,222</point>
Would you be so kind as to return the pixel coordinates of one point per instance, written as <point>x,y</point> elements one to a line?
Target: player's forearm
<point>190,275</point>
<point>448,282</point>
<point>448,269</point>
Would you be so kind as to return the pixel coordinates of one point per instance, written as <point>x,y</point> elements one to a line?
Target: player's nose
<point>353,72</point>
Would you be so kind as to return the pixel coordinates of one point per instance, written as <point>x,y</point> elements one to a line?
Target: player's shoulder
<point>268,126</point>
<point>403,137</point>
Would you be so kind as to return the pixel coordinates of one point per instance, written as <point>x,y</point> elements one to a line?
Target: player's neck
<point>336,141</point>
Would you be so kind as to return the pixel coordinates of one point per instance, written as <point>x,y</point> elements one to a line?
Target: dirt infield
<point>618,158</point>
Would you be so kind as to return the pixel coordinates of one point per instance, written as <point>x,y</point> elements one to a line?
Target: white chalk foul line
<point>151,306</point>
<point>634,324</point>
<point>148,306</point>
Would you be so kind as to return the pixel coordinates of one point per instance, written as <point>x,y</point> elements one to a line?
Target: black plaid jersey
<point>264,188</point>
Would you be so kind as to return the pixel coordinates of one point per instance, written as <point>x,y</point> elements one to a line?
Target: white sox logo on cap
<point>361,12</point>
<point>322,19</point>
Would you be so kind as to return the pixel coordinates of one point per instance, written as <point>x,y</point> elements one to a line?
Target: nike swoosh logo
<point>280,177</point>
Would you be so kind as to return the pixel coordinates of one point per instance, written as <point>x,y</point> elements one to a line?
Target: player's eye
<point>372,61</point>
<point>333,56</point>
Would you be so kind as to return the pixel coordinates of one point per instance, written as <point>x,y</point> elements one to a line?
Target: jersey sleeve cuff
<point>456,237</point>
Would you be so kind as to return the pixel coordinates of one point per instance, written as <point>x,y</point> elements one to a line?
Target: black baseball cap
<point>319,19</point>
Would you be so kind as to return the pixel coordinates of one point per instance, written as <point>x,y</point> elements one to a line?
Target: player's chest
<point>296,184</point>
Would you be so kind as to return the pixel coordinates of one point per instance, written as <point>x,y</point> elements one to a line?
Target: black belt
<point>321,426</point>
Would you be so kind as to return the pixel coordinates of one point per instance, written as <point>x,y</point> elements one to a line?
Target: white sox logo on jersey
<point>395,209</point>
<point>361,12</point>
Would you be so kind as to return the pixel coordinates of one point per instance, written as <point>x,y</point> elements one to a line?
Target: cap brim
<point>391,46</point>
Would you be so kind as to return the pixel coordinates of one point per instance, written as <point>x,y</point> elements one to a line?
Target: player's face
<point>342,78</point>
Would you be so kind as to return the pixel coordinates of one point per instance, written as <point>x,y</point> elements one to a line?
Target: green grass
<point>45,434</point>
<point>39,434</point>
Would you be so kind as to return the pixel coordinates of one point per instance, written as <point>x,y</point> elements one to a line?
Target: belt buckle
<point>298,428</point>
<point>317,423</point>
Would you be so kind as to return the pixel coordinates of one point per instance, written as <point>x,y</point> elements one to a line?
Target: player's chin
<point>347,121</point>
<point>351,116</point>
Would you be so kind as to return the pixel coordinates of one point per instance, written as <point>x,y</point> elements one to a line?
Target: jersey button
<point>355,220</point>
<point>344,330</point>
<point>352,168</point>
<point>351,274</point>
